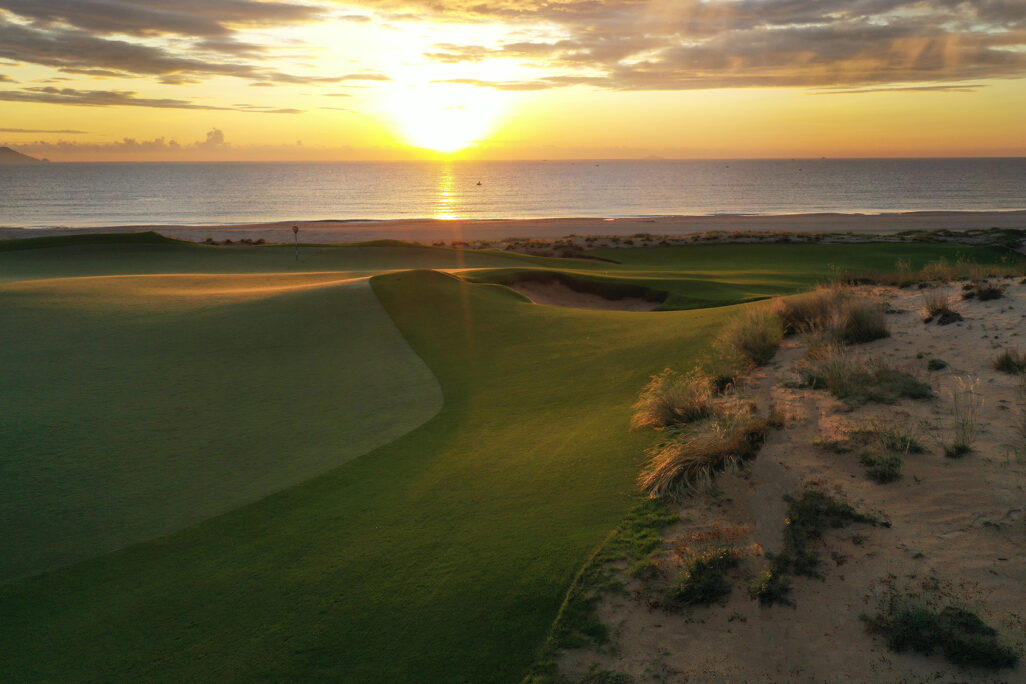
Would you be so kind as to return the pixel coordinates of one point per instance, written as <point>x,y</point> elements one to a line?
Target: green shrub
<point>936,365</point>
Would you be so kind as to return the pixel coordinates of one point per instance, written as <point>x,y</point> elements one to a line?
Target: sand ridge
<point>957,525</point>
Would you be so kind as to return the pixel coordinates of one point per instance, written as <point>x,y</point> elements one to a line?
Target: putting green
<point>133,407</point>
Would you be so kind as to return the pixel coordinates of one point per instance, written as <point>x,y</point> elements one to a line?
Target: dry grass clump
<point>688,462</point>
<point>1011,361</point>
<point>812,309</point>
<point>983,291</point>
<point>937,305</point>
<point>834,313</point>
<point>753,338</point>
<point>858,380</point>
<point>671,399</point>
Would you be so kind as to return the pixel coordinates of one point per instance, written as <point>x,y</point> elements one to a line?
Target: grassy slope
<point>128,416</point>
<point>441,557</point>
<point>114,255</point>
<point>713,275</point>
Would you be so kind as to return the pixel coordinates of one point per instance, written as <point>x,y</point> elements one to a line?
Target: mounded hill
<point>9,156</point>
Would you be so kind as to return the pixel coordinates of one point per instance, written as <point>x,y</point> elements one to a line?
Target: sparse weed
<point>1011,361</point>
<point>857,380</point>
<point>672,399</point>
<point>966,404</point>
<point>807,518</point>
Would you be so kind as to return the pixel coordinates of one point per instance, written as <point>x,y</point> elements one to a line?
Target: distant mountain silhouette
<point>9,156</point>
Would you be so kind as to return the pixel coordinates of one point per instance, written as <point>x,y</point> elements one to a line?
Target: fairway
<point>322,478</point>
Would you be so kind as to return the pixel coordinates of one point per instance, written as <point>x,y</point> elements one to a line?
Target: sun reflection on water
<point>446,202</point>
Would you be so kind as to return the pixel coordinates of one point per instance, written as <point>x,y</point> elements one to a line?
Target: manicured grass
<point>127,415</point>
<point>92,255</point>
<point>698,276</point>
<point>441,557</point>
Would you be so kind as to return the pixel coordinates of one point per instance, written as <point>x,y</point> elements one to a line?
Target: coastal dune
<point>434,230</point>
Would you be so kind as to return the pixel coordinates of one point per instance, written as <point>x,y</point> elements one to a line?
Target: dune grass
<point>689,461</point>
<point>834,313</point>
<point>671,399</point>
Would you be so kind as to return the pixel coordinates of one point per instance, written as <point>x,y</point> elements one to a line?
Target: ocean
<point>117,194</point>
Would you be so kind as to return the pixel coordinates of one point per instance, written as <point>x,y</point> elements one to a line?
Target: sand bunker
<point>558,294</point>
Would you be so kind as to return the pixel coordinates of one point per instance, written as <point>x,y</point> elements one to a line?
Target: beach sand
<point>494,230</point>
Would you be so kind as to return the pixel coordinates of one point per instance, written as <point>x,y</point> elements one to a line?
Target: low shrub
<point>882,468</point>
<point>672,399</point>
<point>704,580</point>
<point>936,364</point>
<point>1011,361</point>
<point>937,306</point>
<point>959,634</point>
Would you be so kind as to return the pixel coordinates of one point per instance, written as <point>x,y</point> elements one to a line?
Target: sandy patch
<point>558,294</point>
<point>958,526</point>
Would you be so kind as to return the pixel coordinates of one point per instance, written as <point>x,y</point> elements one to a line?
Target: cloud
<point>75,51</point>
<point>154,17</point>
<point>693,44</point>
<point>41,130</point>
<point>122,98</point>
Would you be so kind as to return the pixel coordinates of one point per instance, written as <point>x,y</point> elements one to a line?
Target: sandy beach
<point>431,230</point>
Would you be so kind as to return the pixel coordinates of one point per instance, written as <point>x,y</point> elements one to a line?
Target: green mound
<point>124,423</point>
<point>442,557</point>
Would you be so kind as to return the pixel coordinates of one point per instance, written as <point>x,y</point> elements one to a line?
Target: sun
<point>445,117</point>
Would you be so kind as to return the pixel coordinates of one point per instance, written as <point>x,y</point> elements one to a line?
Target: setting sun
<point>445,117</point>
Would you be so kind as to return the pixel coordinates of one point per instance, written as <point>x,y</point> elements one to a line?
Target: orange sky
<point>398,79</point>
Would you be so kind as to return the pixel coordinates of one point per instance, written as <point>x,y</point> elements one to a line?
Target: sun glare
<point>446,117</point>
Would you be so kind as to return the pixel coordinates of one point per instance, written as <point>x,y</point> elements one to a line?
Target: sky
<point>185,80</point>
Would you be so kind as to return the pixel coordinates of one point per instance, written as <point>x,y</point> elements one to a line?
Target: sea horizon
<point>187,193</point>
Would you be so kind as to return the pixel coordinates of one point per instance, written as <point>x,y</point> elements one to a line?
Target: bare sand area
<point>494,230</point>
<point>557,294</point>
<point>955,532</point>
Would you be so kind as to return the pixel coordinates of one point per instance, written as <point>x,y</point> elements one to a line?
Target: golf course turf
<point>441,555</point>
